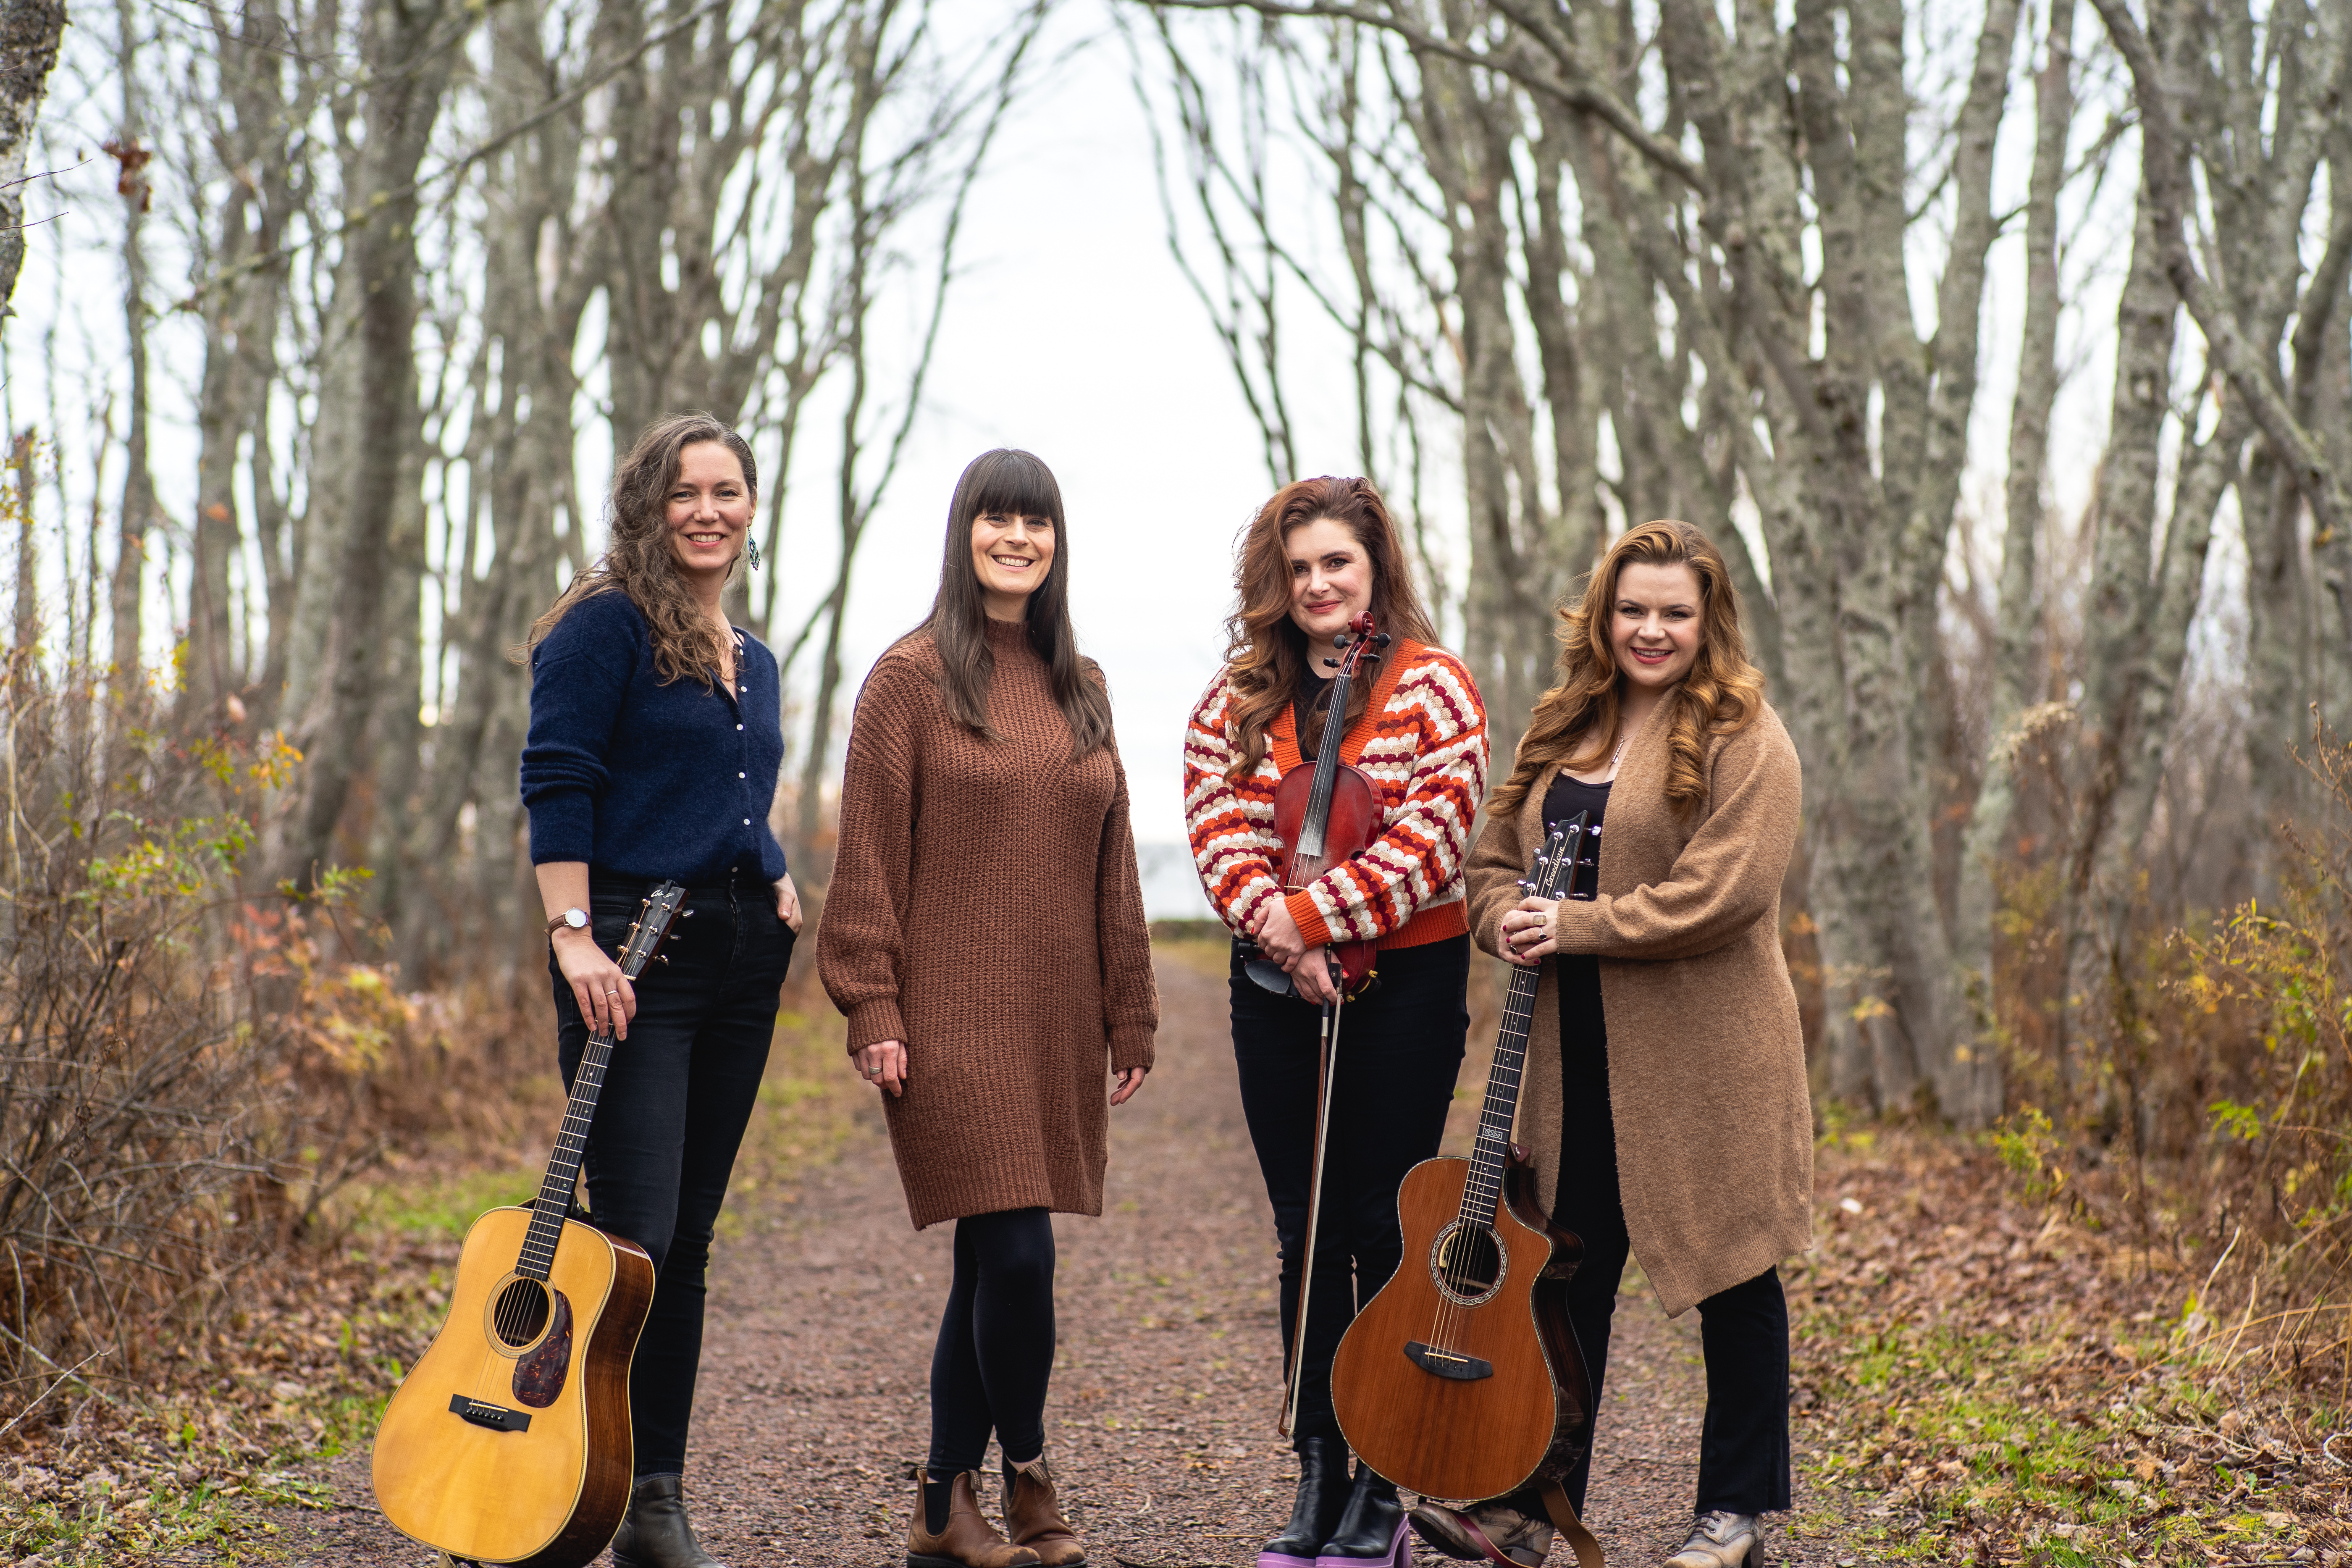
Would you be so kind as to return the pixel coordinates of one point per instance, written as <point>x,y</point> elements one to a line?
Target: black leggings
<point>995,1352</point>
<point>1399,1049</point>
<point>1743,1454</point>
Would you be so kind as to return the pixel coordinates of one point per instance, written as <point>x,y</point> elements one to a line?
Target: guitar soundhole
<point>520,1314</point>
<point>1467,1261</point>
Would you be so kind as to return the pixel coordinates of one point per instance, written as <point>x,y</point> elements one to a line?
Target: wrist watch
<point>577,919</point>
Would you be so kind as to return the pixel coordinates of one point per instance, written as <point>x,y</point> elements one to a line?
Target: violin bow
<point>1329,1049</point>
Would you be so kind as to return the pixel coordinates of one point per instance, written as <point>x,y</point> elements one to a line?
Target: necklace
<point>1618,757</point>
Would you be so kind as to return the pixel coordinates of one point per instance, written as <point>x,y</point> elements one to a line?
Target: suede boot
<point>655,1533</point>
<point>1033,1515</point>
<point>1370,1532</point>
<point>1322,1495</point>
<point>949,1532</point>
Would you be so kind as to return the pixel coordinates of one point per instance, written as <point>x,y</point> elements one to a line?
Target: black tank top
<point>1583,1031</point>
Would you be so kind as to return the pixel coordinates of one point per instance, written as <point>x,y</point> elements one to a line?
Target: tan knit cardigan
<point>985,909</point>
<point>1706,1063</point>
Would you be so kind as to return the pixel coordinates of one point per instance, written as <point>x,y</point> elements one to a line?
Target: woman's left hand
<point>1530,932</point>
<point>1129,1082</point>
<point>788,903</point>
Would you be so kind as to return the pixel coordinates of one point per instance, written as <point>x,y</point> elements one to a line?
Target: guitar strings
<point>1456,1266</point>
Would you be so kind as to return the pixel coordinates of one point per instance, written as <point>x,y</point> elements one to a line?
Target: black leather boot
<point>1322,1494</point>
<point>1371,1530</point>
<point>656,1534</point>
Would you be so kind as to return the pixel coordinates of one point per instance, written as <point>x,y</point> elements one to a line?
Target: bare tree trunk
<point>2017,677</point>
<point>29,34</point>
<point>409,65</point>
<point>130,156</point>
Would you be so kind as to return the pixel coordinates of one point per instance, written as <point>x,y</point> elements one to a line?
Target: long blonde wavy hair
<point>1575,723</point>
<point>637,560</point>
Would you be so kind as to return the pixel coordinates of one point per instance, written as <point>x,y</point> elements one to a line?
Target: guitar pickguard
<point>538,1377</point>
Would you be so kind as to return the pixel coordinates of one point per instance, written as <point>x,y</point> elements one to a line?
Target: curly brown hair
<point>637,560</point>
<point>1265,649</point>
<point>1575,723</point>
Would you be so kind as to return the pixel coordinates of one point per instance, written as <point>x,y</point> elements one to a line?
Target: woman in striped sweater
<point>1319,553</point>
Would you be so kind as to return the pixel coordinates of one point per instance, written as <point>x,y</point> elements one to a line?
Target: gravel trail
<point>1162,1418</point>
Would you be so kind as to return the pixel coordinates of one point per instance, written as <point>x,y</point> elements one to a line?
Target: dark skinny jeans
<point>1743,1454</point>
<point>1400,1050</point>
<point>676,1100</point>
<point>996,1350</point>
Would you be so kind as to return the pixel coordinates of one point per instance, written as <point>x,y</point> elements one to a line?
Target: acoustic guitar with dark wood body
<point>1461,1379</point>
<point>509,1442</point>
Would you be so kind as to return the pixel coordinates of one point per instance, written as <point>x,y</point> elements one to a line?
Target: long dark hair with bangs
<point>1265,652</point>
<point>1006,482</point>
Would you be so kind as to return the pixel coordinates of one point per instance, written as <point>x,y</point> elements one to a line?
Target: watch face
<point>575,919</point>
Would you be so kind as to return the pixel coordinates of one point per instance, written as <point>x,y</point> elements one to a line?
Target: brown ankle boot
<point>1033,1517</point>
<point>969,1541</point>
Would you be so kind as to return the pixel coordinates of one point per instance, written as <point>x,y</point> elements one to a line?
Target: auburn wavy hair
<point>1265,652</point>
<point>1575,723</point>
<point>637,560</point>
<point>1008,482</point>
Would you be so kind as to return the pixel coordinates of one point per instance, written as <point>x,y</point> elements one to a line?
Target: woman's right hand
<point>883,1064</point>
<point>604,996</point>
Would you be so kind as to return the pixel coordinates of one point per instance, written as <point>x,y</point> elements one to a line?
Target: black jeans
<point>676,1100</point>
<point>996,1350</point>
<point>1400,1049</point>
<point>1743,1455</point>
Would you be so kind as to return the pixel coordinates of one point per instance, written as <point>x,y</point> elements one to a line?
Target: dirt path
<point>823,1308</point>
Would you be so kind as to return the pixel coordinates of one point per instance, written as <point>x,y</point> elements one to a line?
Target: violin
<point>1331,814</point>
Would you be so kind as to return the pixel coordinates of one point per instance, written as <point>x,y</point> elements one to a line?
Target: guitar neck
<point>562,1174</point>
<point>1484,1190</point>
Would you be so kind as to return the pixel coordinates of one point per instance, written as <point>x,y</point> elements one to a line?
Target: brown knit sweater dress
<point>985,909</point>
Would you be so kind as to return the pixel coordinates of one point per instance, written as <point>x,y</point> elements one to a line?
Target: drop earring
<point>752,551</point>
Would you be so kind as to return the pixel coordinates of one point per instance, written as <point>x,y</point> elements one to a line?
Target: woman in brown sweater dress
<point>984,934</point>
<point>1665,1101</point>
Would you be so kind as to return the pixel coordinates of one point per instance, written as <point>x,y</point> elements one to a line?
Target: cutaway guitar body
<point>1461,1379</point>
<point>520,1453</point>
<point>1466,1394</point>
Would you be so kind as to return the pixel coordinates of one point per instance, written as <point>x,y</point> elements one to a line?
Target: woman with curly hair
<point>655,735</point>
<point>1665,1101</point>
<point>1319,553</point>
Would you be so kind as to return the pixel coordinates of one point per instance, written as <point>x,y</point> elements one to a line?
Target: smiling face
<point>1655,623</point>
<point>709,513</point>
<point>1011,555</point>
<point>1330,579</point>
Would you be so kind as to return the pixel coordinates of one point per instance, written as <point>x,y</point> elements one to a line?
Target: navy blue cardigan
<point>640,779</point>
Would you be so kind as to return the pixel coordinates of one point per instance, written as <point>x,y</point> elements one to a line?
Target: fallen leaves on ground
<point>1992,1382</point>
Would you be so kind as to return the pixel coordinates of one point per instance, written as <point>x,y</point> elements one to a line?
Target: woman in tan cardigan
<point>985,933</point>
<point>1666,1099</point>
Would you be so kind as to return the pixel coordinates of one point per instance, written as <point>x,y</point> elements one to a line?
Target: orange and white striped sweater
<point>1422,744</point>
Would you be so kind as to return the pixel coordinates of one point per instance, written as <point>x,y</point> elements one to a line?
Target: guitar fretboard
<point>1482,1193</point>
<point>555,1187</point>
<point>537,1259</point>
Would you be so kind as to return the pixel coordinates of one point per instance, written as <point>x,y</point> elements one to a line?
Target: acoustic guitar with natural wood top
<point>509,1442</point>
<point>1461,1380</point>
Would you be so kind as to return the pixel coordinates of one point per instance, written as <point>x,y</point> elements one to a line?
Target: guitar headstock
<point>655,918</point>
<point>1553,875</point>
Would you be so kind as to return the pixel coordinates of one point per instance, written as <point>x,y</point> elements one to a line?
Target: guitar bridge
<point>1445,1364</point>
<point>482,1413</point>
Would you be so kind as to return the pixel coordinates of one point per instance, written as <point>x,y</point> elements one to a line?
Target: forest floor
<point>1974,1381</point>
